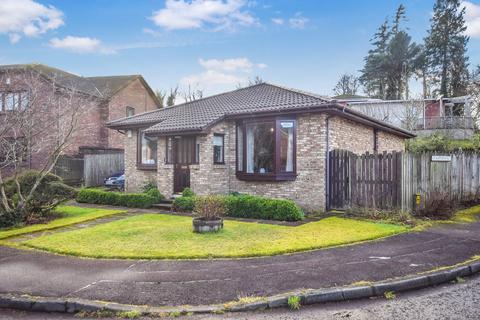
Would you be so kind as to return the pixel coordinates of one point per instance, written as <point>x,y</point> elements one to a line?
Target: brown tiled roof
<point>199,114</point>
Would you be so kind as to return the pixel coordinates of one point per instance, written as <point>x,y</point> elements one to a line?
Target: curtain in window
<point>286,146</point>
<point>250,148</point>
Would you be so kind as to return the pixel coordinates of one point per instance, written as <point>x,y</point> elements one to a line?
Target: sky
<point>212,45</point>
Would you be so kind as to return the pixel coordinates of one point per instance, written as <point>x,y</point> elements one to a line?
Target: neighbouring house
<point>448,116</point>
<point>107,98</point>
<point>264,139</point>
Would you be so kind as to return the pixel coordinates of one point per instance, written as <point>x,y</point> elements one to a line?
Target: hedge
<point>184,204</point>
<point>248,206</point>
<point>131,200</point>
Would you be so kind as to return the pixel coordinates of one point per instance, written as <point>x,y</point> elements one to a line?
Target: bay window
<point>266,149</point>
<point>147,151</point>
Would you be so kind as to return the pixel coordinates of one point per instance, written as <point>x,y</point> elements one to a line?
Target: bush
<point>188,192</point>
<point>131,200</point>
<point>248,206</point>
<point>184,204</point>
<point>154,193</point>
<point>50,192</point>
<point>441,143</point>
<point>210,207</point>
<point>149,186</point>
<point>438,205</point>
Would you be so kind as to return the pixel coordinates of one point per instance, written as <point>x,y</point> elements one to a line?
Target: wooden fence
<point>70,169</point>
<point>368,180</point>
<point>97,167</point>
<point>398,180</point>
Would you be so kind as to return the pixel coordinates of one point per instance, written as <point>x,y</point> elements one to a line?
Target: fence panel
<point>97,167</point>
<point>69,169</point>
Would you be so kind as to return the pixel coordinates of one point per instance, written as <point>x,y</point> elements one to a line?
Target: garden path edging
<point>73,305</point>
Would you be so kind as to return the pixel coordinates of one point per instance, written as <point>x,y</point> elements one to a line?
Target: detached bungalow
<point>264,139</point>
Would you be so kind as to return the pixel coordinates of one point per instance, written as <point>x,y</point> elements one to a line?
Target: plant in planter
<point>210,210</point>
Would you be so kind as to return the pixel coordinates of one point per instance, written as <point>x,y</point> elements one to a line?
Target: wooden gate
<point>367,180</point>
<point>97,167</point>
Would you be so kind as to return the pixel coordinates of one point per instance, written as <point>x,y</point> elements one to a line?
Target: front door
<point>183,151</point>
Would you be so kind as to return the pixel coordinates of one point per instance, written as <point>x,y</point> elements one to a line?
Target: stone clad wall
<point>135,179</point>
<point>308,189</point>
<point>389,142</point>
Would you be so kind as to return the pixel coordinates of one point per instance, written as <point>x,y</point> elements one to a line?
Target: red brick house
<point>264,139</point>
<point>108,98</point>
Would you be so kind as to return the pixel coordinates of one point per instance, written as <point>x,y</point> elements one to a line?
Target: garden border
<point>72,305</point>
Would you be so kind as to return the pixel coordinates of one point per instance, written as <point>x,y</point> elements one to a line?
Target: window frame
<point>277,174</point>
<point>21,99</point>
<point>221,135</point>
<point>127,109</point>
<point>140,165</point>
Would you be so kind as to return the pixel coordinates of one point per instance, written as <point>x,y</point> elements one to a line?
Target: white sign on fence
<point>442,158</point>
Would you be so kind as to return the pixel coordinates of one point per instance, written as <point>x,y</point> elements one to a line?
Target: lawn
<point>68,215</point>
<point>159,236</point>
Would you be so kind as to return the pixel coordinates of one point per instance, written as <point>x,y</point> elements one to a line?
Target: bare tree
<point>251,82</point>
<point>348,84</point>
<point>192,94</point>
<point>161,94</point>
<point>172,96</point>
<point>40,117</point>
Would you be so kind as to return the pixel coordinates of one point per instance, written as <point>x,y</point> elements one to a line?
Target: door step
<point>163,206</point>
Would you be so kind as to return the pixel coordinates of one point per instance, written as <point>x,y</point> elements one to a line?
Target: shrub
<point>438,205</point>
<point>50,192</point>
<point>210,207</point>
<point>132,200</point>
<point>148,186</point>
<point>248,206</point>
<point>188,192</point>
<point>154,193</point>
<point>184,204</point>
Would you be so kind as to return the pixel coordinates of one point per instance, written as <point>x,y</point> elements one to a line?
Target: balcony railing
<point>432,123</point>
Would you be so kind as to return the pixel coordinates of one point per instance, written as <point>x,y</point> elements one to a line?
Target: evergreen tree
<point>446,46</point>
<point>373,78</point>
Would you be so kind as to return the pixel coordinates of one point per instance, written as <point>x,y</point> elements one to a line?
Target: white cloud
<point>472,19</point>
<point>278,21</point>
<point>80,45</point>
<point>227,65</point>
<point>27,18</point>
<point>298,21</point>
<point>194,14</point>
<point>221,74</point>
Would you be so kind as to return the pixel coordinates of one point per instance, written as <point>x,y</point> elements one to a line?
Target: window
<point>130,111</point>
<point>147,151</point>
<point>10,101</point>
<point>266,149</point>
<point>218,149</point>
<point>182,150</point>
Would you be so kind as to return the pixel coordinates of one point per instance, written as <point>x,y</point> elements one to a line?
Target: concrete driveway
<point>214,281</point>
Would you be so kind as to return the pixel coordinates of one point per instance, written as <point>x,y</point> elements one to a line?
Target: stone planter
<point>200,225</point>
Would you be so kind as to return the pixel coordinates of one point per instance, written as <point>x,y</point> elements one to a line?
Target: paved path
<point>215,281</point>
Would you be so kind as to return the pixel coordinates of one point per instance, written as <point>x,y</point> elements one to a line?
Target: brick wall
<point>136,96</point>
<point>349,135</point>
<point>135,178</point>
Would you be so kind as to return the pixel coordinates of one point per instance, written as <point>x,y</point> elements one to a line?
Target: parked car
<point>115,181</point>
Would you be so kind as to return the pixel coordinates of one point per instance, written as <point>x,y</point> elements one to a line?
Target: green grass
<point>67,215</point>
<point>158,236</point>
<point>467,215</point>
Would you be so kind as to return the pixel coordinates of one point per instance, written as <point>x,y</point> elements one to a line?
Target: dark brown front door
<point>183,150</point>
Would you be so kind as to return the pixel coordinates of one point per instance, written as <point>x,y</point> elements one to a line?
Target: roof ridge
<point>311,94</point>
<point>121,75</point>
